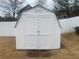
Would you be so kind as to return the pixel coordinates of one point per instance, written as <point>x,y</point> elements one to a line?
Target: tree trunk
<point>75,11</point>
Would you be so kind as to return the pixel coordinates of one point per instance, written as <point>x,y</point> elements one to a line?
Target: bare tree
<point>76,7</point>
<point>11,7</point>
<point>67,8</point>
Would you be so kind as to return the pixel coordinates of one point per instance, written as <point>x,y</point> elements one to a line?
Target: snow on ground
<point>68,24</point>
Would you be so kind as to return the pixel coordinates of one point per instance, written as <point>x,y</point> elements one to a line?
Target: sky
<point>47,3</point>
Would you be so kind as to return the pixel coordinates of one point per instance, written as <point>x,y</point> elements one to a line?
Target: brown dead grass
<point>69,49</point>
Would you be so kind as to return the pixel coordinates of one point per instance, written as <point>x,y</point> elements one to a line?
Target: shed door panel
<point>45,25</point>
<point>45,42</point>
<point>30,25</point>
<point>31,42</point>
<point>30,32</point>
<point>45,32</point>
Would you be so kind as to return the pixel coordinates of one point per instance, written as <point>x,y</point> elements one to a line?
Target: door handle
<point>38,31</point>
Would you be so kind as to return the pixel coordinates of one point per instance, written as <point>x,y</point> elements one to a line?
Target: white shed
<point>38,29</point>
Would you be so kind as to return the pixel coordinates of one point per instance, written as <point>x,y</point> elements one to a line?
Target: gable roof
<point>25,8</point>
<point>28,8</point>
<point>37,10</point>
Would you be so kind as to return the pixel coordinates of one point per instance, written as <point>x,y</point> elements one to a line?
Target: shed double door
<point>37,32</point>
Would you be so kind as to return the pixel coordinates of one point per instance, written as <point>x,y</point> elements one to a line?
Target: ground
<point>69,49</point>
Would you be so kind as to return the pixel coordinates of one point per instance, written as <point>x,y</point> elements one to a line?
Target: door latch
<point>38,31</point>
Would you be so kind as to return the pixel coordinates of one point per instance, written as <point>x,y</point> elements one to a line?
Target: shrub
<point>77,30</point>
<point>7,19</point>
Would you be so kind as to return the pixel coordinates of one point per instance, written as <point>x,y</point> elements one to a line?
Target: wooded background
<point>10,9</point>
